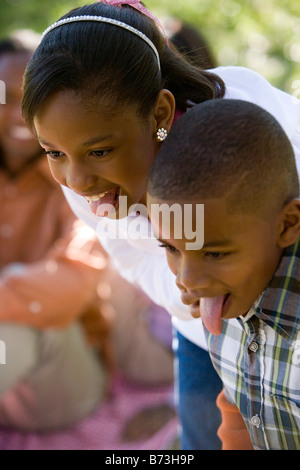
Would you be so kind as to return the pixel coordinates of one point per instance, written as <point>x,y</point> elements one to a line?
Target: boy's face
<point>238,259</point>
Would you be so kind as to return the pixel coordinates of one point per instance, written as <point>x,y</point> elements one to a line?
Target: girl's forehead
<point>82,106</point>
<point>65,119</point>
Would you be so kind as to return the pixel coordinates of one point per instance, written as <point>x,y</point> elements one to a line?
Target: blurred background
<point>262,35</point>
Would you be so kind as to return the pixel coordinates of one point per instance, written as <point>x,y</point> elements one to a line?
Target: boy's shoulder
<point>288,271</point>
<point>280,304</point>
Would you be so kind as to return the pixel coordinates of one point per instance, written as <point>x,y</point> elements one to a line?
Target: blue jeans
<point>197,387</point>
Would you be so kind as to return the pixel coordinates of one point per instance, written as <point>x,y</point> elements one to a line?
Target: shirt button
<point>253,346</point>
<point>255,420</point>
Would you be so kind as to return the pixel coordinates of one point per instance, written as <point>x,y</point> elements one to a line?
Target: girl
<point>101,93</point>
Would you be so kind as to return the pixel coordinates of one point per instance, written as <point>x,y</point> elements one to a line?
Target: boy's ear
<point>289,224</point>
<point>164,109</point>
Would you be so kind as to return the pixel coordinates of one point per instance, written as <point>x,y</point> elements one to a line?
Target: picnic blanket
<point>133,417</point>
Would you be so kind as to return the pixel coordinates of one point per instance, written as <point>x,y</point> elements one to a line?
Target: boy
<point>235,159</point>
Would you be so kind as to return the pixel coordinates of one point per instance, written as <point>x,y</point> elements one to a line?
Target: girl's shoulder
<point>246,84</point>
<point>239,77</point>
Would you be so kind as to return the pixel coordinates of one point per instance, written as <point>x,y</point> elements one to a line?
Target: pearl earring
<point>161,134</point>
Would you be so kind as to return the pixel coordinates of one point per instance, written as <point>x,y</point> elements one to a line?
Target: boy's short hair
<point>227,148</point>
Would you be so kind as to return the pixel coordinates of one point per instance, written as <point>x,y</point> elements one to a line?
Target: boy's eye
<point>99,153</point>
<point>169,248</point>
<point>215,255</point>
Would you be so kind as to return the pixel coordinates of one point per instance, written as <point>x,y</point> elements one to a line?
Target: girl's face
<point>100,154</point>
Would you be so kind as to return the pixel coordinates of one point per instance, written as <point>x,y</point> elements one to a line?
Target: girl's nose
<point>80,180</point>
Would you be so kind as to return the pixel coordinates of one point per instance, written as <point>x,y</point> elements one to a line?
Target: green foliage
<point>263,35</point>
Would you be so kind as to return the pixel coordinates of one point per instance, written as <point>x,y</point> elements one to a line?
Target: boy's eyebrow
<point>162,241</point>
<point>213,244</point>
<point>217,243</point>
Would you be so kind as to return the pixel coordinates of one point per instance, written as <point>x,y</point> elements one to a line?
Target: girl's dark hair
<point>102,60</point>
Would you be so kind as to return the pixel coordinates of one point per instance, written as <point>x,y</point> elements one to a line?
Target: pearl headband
<point>103,19</point>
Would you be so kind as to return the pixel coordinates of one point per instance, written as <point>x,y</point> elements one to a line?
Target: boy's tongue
<point>211,313</point>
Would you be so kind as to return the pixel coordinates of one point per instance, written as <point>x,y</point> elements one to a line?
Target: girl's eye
<point>169,248</point>
<point>53,154</point>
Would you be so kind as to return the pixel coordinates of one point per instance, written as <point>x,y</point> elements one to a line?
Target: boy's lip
<point>195,309</point>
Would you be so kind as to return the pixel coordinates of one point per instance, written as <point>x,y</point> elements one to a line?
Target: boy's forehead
<point>174,220</point>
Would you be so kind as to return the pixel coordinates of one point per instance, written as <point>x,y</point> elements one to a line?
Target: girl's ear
<point>289,223</point>
<point>163,111</point>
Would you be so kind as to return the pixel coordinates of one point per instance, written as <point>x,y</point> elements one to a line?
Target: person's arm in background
<point>57,289</point>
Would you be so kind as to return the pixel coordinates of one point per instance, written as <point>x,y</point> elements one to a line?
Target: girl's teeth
<point>101,195</point>
<point>95,198</point>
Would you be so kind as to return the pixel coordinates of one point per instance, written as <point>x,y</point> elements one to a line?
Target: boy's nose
<point>193,279</point>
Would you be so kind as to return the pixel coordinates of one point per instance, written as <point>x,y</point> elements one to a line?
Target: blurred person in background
<point>50,266</point>
<point>190,42</point>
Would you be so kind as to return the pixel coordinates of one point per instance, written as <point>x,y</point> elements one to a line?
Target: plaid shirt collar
<point>279,306</point>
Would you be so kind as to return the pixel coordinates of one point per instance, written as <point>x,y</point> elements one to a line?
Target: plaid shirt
<point>258,360</point>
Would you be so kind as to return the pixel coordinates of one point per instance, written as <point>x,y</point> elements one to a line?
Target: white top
<point>140,260</point>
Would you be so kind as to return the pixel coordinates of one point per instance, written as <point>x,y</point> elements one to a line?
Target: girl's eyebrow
<point>41,141</point>
<point>95,140</point>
